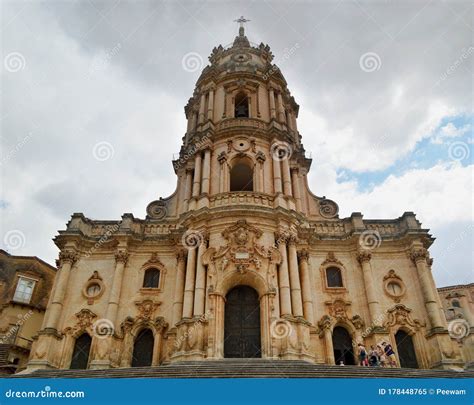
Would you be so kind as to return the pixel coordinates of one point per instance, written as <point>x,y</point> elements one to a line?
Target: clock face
<point>394,288</point>
<point>93,290</point>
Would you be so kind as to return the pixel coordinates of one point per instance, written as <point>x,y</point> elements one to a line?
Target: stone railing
<point>241,122</point>
<point>241,198</point>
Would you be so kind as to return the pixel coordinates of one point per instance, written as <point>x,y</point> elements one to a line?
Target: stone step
<point>248,368</point>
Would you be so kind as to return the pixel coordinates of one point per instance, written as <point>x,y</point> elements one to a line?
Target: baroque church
<point>243,260</point>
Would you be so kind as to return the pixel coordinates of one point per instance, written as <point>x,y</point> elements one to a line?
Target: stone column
<point>419,256</point>
<point>66,260</point>
<point>200,289</point>
<point>296,188</point>
<point>179,286</point>
<point>364,257</point>
<point>197,174</point>
<point>222,159</point>
<point>296,303</point>
<point>189,284</point>
<point>283,277</point>
<point>202,106</point>
<point>260,169</point>
<point>306,286</point>
<point>286,177</point>
<point>210,107</point>
<point>329,347</point>
<point>121,258</point>
<point>271,93</point>
<point>281,110</point>
<point>188,188</point>
<point>206,173</point>
<point>276,176</point>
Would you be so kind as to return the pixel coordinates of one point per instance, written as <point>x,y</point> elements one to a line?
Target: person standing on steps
<point>390,354</point>
<point>362,355</point>
<point>381,355</point>
<point>373,357</point>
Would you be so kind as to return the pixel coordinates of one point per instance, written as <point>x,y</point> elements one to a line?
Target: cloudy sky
<point>93,92</point>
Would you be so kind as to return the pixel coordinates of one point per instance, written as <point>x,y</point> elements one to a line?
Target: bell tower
<point>242,137</point>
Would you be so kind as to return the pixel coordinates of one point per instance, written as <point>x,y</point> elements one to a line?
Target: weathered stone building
<point>243,260</point>
<point>25,284</point>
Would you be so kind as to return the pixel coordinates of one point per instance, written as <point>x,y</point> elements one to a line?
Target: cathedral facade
<point>243,260</point>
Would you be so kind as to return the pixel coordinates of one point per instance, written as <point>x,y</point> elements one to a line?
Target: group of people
<point>381,355</point>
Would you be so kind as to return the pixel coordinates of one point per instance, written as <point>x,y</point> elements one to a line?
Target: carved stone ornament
<point>241,251</point>
<point>400,315</point>
<point>338,308</point>
<point>358,322</point>
<point>146,309</point>
<point>157,209</point>
<point>85,319</point>
<point>260,156</point>
<point>328,208</point>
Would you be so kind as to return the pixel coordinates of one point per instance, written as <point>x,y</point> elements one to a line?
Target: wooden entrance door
<point>242,323</point>
<point>406,350</point>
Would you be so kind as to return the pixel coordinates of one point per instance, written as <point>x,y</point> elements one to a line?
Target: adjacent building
<point>25,284</point>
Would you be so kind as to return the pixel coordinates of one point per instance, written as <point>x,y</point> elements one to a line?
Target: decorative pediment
<point>331,259</point>
<point>85,318</point>
<point>154,261</point>
<point>400,315</point>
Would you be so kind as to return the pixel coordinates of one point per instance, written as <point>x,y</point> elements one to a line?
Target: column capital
<point>303,255</point>
<point>418,254</point>
<point>364,256</point>
<point>281,238</point>
<point>292,239</point>
<point>121,256</point>
<point>181,255</point>
<point>67,256</point>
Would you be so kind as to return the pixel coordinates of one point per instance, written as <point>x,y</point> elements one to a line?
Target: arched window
<point>143,349</point>
<point>152,278</point>
<point>241,106</point>
<point>334,277</point>
<point>241,177</point>
<point>455,304</point>
<point>80,356</point>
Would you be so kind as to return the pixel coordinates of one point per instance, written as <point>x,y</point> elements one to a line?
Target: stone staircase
<point>247,368</point>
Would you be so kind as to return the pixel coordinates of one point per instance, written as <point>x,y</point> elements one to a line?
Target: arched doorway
<point>342,345</point>
<point>80,355</point>
<point>242,323</point>
<point>143,349</point>
<point>406,350</point>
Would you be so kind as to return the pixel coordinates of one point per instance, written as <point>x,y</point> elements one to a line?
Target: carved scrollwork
<point>328,208</point>
<point>400,315</point>
<point>157,209</point>
<point>67,257</point>
<point>121,256</point>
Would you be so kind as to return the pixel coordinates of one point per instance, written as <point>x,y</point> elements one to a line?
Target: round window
<point>394,288</point>
<point>93,290</point>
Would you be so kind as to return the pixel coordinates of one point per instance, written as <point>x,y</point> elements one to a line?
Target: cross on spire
<point>242,20</point>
